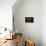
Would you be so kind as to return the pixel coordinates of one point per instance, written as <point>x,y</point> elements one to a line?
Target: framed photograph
<point>29,19</point>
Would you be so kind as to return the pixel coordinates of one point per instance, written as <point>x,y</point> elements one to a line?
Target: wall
<point>29,8</point>
<point>43,22</point>
<point>6,13</point>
